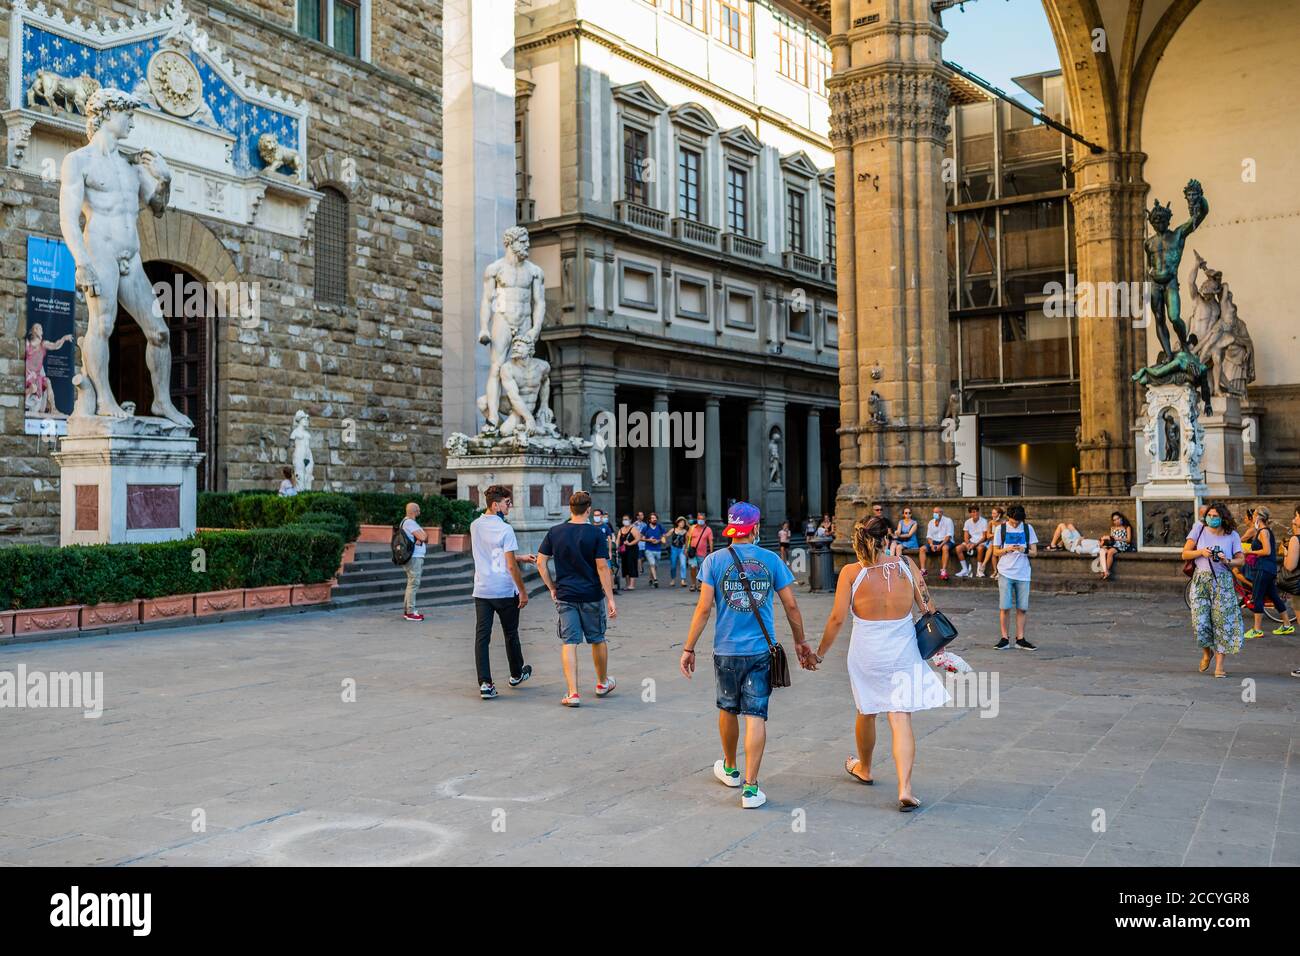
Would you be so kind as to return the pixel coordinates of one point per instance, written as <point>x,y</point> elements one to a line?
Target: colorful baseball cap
<point>742,518</point>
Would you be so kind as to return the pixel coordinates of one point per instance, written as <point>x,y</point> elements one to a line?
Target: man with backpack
<point>415,543</point>
<point>1014,543</point>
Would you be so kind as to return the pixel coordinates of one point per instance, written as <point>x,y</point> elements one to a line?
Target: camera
<point>1216,553</point>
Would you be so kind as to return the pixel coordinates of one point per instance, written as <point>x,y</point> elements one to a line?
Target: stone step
<point>1135,572</point>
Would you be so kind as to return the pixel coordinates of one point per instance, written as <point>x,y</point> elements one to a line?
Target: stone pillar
<point>712,459</point>
<point>814,466</point>
<point>663,496</point>
<point>478,187</point>
<point>889,105</point>
<point>1109,225</point>
<point>755,452</point>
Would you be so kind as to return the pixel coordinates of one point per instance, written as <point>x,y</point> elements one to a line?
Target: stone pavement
<point>232,744</point>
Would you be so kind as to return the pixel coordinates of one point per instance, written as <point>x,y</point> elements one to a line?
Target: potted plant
<point>456,524</point>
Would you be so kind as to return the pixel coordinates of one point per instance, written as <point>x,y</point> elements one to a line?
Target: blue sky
<point>999,39</point>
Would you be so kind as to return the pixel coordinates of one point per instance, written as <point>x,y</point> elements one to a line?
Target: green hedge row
<point>33,576</point>
<point>242,509</point>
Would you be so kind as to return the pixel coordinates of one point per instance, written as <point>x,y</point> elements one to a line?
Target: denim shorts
<point>744,683</point>
<point>1012,594</point>
<point>651,556</point>
<point>580,620</point>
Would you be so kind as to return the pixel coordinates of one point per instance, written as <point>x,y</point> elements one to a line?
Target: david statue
<point>107,187</point>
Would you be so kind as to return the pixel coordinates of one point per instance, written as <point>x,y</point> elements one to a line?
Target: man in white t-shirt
<point>1014,543</point>
<point>976,535</point>
<point>498,588</point>
<point>938,540</point>
<point>415,567</point>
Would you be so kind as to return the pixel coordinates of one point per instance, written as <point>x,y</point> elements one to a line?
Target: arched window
<point>332,248</point>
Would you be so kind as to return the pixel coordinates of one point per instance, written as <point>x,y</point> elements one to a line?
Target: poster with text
<point>49,350</point>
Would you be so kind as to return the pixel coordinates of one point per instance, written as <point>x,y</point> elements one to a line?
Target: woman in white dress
<point>886,672</point>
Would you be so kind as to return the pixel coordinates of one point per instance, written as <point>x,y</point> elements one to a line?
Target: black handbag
<point>780,667</point>
<point>934,631</point>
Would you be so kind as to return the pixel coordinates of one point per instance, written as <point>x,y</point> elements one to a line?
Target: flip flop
<point>867,783</point>
<point>1220,675</point>
<point>907,807</point>
<point>1205,665</point>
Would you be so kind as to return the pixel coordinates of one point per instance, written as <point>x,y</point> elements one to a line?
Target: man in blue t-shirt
<point>601,522</point>
<point>652,539</point>
<point>582,590</point>
<point>741,652</point>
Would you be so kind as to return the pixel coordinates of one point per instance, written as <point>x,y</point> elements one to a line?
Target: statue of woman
<point>302,460</point>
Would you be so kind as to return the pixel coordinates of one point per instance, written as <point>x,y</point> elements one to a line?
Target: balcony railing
<point>688,230</point>
<point>804,265</point>
<point>641,217</point>
<point>738,245</point>
<point>828,271</point>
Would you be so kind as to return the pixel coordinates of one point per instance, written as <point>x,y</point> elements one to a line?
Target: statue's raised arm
<point>1197,207</point>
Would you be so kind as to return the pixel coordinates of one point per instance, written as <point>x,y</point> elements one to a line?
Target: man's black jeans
<point>508,610</point>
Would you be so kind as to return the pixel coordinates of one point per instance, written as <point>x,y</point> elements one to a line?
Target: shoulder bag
<point>1189,567</point>
<point>934,631</point>
<point>780,667</point>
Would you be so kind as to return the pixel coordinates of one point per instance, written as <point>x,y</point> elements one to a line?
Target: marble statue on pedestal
<point>300,437</point>
<point>774,457</point>
<point>102,184</point>
<point>514,307</point>
<point>599,463</point>
<point>1223,343</point>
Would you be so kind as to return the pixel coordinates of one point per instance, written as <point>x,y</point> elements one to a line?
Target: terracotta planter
<point>6,623</point>
<point>218,602</point>
<point>167,608</point>
<point>278,595</point>
<point>106,615</point>
<point>349,555</point>
<point>457,542</point>
<point>311,593</point>
<point>47,620</point>
<point>435,536</point>
<point>375,534</point>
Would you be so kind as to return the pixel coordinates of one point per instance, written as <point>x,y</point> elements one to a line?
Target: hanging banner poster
<point>48,348</point>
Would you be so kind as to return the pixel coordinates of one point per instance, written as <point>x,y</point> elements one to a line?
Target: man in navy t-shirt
<point>600,520</point>
<point>582,590</point>
<point>741,658</point>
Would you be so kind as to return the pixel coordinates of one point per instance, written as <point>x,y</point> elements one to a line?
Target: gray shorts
<point>579,621</point>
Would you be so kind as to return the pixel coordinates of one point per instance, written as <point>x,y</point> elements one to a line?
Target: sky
<point>999,39</point>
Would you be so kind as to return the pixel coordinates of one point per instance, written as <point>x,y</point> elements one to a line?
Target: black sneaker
<point>524,674</point>
<point>1002,645</point>
<point>487,691</point>
<point>1024,645</point>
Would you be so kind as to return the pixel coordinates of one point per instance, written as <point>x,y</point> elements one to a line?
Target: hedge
<point>34,576</point>
<point>243,509</point>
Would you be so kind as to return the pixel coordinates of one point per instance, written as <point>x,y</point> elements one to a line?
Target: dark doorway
<point>187,309</point>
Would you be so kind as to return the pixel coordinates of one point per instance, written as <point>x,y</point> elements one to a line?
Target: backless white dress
<point>885,666</point>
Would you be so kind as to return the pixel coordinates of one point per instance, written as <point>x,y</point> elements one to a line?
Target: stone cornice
<point>584,30</point>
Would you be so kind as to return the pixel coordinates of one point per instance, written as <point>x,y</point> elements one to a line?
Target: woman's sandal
<point>907,806</point>
<point>1220,674</point>
<point>1205,664</point>
<point>850,772</point>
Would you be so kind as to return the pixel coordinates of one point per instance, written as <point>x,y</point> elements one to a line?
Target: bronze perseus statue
<point>1164,252</point>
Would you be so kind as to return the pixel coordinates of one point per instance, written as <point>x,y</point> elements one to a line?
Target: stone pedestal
<point>126,480</point>
<point>1171,456</point>
<point>540,484</point>
<point>1224,460</point>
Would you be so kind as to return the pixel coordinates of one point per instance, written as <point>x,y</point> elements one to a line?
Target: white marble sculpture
<point>102,184</point>
<point>300,438</point>
<point>599,462</point>
<point>1223,342</point>
<point>774,457</point>
<point>68,93</point>
<point>514,306</point>
<point>276,156</point>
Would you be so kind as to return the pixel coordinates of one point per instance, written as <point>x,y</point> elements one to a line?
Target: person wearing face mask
<point>938,540</point>
<point>628,551</point>
<point>1264,587</point>
<point>698,546</point>
<point>601,521</point>
<point>1215,547</point>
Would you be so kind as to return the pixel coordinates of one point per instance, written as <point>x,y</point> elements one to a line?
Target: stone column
<point>478,187</point>
<point>814,469</point>
<point>889,105</point>
<point>1109,224</point>
<point>755,452</point>
<point>663,496</point>
<point>712,459</point>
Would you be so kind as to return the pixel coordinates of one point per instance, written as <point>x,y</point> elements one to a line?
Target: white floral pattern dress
<point>1216,611</point>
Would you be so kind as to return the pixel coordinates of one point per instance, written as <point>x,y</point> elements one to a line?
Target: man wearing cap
<point>741,656</point>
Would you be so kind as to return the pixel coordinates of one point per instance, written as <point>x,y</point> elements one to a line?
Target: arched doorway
<point>185,303</point>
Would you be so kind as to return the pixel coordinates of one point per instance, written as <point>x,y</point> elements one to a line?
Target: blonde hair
<point>868,538</point>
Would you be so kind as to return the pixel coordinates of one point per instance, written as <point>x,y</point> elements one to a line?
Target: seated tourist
<point>1069,538</point>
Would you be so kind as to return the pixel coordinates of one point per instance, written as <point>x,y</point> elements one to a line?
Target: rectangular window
<point>347,26</point>
<point>828,232</point>
<point>819,63</point>
<point>738,200</point>
<point>636,149</point>
<point>795,207</point>
<point>688,184</point>
<point>791,50</point>
<point>693,12</point>
<point>731,23</point>
<point>310,22</point>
